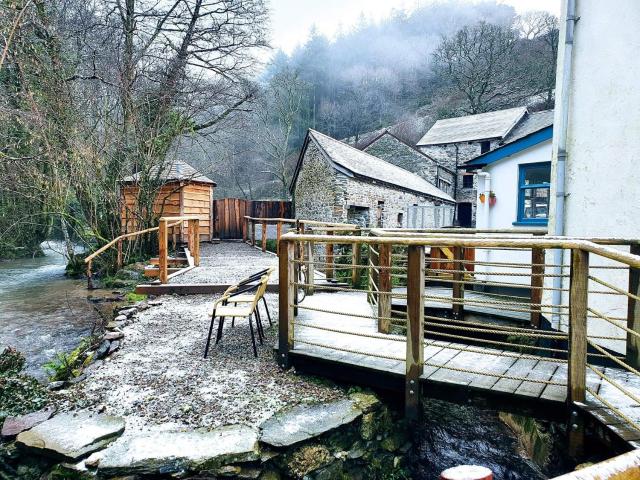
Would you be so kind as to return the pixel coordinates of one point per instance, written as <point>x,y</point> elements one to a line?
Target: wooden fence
<point>230,212</point>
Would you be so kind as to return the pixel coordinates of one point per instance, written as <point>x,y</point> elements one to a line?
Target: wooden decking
<point>353,341</point>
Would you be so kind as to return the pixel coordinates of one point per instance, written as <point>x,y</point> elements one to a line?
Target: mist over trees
<point>93,91</point>
<point>444,59</point>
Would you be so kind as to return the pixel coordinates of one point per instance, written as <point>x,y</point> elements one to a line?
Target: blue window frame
<point>534,183</point>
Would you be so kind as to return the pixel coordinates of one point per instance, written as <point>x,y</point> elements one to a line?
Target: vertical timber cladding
<point>230,213</point>
<point>173,199</point>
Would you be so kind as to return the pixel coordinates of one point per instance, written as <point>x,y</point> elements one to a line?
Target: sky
<point>291,20</point>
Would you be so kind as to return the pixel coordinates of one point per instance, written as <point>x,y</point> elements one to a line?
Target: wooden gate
<point>230,212</point>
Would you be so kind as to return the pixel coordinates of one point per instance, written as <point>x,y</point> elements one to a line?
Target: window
<point>400,219</point>
<point>485,147</point>
<point>380,214</point>
<point>444,185</point>
<point>533,193</point>
<point>467,181</point>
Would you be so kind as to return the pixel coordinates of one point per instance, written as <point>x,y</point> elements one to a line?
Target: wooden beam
<point>384,288</point>
<point>415,331</point>
<point>329,270</point>
<point>286,313</point>
<point>578,298</point>
<point>264,236</point>
<point>310,268</point>
<point>458,286</point>
<point>253,233</point>
<point>537,282</point>
<point>278,235</point>
<point>119,255</point>
<point>190,288</point>
<point>374,262</point>
<point>633,313</point>
<point>355,262</point>
<point>163,253</point>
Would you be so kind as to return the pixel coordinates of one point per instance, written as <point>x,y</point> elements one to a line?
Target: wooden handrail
<point>473,241</point>
<point>115,240</point>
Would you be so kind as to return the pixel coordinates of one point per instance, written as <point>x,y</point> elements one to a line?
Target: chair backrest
<point>254,277</point>
<point>262,288</point>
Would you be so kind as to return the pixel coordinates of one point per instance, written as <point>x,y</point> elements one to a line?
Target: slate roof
<point>482,126</point>
<point>174,171</point>
<point>355,162</point>
<point>531,123</point>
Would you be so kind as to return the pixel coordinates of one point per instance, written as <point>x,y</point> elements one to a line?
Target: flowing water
<point>41,311</point>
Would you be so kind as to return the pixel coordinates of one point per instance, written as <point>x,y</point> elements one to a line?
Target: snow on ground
<point>159,375</point>
<point>228,262</point>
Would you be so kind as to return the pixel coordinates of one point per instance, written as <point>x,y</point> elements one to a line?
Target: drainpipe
<point>561,154</point>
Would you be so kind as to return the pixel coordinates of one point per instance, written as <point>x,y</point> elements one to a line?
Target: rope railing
<point>410,280</point>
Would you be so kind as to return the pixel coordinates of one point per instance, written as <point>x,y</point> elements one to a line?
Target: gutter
<point>561,153</point>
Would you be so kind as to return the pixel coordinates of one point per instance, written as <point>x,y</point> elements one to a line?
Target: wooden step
<point>170,260</point>
<point>152,272</point>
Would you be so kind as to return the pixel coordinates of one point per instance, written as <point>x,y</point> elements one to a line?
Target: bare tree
<point>480,62</point>
<point>276,114</point>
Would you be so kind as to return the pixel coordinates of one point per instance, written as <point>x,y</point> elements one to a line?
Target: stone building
<point>391,148</point>
<point>451,142</point>
<point>336,182</point>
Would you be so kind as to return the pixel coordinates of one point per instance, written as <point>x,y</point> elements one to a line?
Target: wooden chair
<point>222,310</point>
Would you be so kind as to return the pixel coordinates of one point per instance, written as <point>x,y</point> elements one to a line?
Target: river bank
<point>42,312</point>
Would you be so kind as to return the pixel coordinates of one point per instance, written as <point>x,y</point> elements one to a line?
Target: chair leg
<point>220,325</point>
<point>259,326</point>
<point>233,322</point>
<point>267,309</point>
<point>206,348</point>
<point>253,337</point>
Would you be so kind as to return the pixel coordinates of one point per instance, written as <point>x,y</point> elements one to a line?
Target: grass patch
<point>135,297</point>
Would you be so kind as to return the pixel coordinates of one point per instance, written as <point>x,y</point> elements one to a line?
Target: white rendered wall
<point>504,175</point>
<point>603,168</point>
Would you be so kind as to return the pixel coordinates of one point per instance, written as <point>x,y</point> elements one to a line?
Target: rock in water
<point>14,425</point>
<point>170,452</point>
<point>103,349</point>
<point>72,435</point>
<point>307,421</point>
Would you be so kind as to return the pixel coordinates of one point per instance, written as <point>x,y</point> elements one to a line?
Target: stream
<point>41,311</point>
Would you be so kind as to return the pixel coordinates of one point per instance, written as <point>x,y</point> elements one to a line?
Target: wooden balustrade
<point>380,285</point>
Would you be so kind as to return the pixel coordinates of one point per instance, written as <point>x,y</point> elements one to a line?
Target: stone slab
<point>303,422</point>
<point>162,453</point>
<point>72,435</point>
<point>12,426</point>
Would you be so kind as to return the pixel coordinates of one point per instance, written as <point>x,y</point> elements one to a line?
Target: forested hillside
<point>92,92</point>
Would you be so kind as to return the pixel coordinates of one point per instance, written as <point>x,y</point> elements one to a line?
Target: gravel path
<point>160,377</point>
<point>228,262</point>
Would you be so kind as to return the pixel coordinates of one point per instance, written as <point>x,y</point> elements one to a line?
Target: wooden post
<point>355,262</point>
<point>278,235</point>
<point>578,298</point>
<point>537,282</point>
<point>633,313</point>
<point>374,263</point>
<point>328,271</point>
<point>310,268</point>
<point>194,233</point>
<point>264,236</point>
<point>286,312</point>
<point>458,286</point>
<point>415,331</point>
<point>253,233</point>
<point>89,276</point>
<point>119,258</point>
<point>384,287</point>
<point>162,250</point>
<point>245,229</point>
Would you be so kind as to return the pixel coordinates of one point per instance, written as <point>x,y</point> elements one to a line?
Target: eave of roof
<point>511,148</point>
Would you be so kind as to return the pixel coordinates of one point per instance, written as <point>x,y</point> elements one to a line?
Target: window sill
<point>530,224</point>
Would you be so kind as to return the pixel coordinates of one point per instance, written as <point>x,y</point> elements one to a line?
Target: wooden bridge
<point>409,328</point>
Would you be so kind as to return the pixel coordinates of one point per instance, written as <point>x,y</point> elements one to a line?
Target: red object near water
<point>467,472</point>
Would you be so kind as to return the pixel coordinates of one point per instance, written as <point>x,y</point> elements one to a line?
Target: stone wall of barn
<point>324,194</point>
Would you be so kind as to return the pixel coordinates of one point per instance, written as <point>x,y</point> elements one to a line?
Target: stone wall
<point>324,194</point>
<point>446,155</point>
